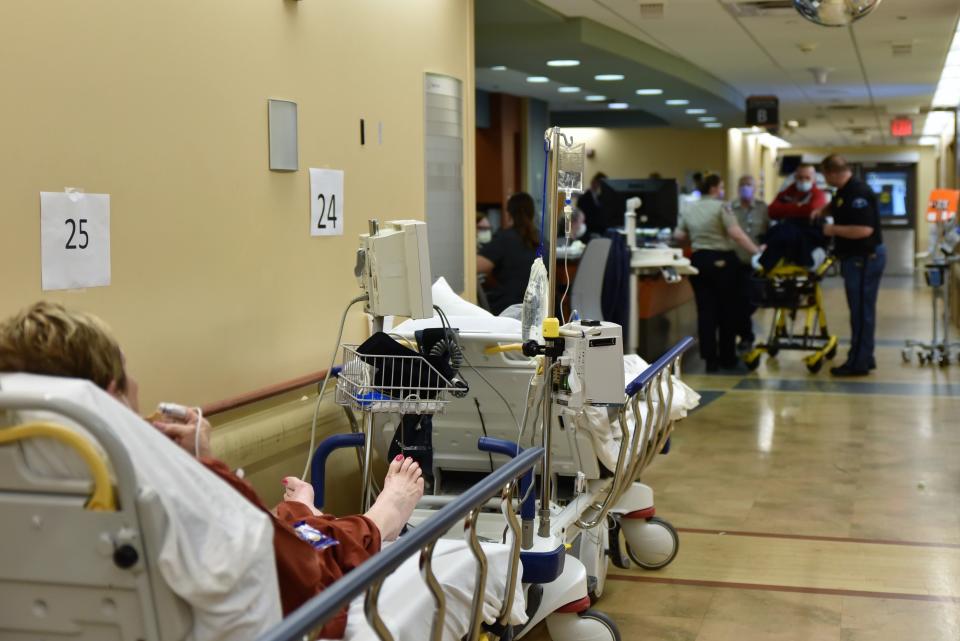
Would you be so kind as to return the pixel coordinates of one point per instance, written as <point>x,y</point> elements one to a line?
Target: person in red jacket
<point>797,202</point>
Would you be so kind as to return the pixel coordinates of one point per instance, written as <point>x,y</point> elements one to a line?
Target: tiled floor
<point>811,509</point>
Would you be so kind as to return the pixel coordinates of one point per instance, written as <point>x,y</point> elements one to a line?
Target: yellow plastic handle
<point>502,349</point>
<point>102,499</point>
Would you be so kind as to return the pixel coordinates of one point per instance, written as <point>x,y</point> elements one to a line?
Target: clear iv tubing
<point>323,388</point>
<point>568,236</point>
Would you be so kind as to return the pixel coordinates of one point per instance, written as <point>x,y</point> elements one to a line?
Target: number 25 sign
<point>74,240</point>
<point>326,202</point>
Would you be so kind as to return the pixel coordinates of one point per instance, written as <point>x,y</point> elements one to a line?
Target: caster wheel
<point>944,361</point>
<point>655,543</point>
<point>815,366</point>
<point>906,355</point>
<point>773,351</point>
<point>589,625</point>
<point>831,354</point>
<point>752,362</point>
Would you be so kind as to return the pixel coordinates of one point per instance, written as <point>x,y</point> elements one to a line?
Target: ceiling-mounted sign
<point>763,111</point>
<point>901,127</point>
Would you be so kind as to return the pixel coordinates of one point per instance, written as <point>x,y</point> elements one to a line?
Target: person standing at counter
<point>712,229</point>
<point>855,225</point>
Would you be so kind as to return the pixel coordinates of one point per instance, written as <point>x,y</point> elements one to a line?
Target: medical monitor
<point>393,266</point>
<point>660,201</point>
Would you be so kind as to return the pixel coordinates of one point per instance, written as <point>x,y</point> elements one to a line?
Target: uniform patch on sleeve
<point>860,203</point>
<point>313,536</point>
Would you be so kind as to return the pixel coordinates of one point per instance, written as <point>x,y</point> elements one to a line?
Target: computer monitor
<point>660,201</point>
<point>895,187</point>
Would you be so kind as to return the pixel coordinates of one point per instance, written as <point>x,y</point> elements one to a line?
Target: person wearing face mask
<point>484,229</point>
<point>752,217</point>
<point>798,201</point>
<point>591,205</point>
<point>713,231</point>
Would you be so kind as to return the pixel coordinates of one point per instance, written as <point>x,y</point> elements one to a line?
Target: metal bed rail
<point>649,438</point>
<point>369,576</point>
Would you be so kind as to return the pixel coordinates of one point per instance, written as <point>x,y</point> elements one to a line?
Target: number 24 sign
<point>326,202</point>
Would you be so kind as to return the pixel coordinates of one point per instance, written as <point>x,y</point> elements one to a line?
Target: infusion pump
<point>590,369</point>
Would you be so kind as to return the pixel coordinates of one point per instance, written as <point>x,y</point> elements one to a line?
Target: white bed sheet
<point>407,607</point>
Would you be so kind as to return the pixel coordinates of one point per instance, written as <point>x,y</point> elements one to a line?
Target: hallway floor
<point>811,508</point>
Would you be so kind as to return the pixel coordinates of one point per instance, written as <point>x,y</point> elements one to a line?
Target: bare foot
<point>300,491</point>
<point>402,488</point>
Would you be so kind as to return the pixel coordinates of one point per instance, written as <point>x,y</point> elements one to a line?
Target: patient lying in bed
<point>217,555</point>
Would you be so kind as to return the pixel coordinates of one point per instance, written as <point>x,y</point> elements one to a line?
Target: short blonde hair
<point>49,339</point>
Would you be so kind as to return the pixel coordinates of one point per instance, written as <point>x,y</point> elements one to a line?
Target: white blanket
<point>217,554</point>
<point>407,607</point>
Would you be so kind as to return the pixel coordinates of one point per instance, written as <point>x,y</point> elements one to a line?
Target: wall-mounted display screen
<point>892,188</point>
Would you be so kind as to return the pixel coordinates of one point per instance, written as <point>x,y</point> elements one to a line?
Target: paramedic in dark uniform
<point>859,246</point>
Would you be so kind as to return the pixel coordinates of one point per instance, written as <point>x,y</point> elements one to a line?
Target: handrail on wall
<point>312,614</point>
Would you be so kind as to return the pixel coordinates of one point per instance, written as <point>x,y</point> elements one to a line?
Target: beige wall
<point>217,286</point>
<point>752,155</point>
<point>636,153</point>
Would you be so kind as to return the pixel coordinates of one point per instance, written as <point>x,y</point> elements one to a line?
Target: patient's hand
<point>184,433</point>
<point>402,488</point>
<point>299,491</point>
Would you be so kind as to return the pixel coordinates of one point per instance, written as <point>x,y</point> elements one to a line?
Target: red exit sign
<point>901,127</point>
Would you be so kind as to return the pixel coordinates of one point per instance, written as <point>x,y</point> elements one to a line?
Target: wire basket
<point>391,384</point>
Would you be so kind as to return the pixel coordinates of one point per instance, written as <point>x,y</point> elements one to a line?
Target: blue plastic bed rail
<point>508,448</point>
<point>315,612</point>
<point>659,365</point>
<point>319,462</point>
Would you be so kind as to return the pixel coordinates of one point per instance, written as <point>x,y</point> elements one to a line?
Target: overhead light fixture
<point>569,89</point>
<point>713,125</point>
<point>948,89</point>
<point>793,124</point>
<point>537,79</point>
<point>649,92</point>
<point>595,98</point>
<point>677,103</point>
<point>706,118</point>
<point>608,77</point>
<point>618,105</point>
<point>563,63</point>
<point>498,68</point>
<point>696,112</point>
<point>929,140</point>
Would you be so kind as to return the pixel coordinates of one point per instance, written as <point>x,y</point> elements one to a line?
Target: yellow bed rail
<point>102,499</point>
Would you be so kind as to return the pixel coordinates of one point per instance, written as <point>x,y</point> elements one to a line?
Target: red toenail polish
<point>284,481</point>
<point>399,457</point>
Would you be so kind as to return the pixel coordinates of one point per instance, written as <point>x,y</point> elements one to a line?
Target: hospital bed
<point>87,536</point>
<point>79,559</point>
<point>598,456</point>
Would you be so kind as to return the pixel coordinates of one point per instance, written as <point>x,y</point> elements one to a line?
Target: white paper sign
<point>74,240</point>
<point>326,202</point>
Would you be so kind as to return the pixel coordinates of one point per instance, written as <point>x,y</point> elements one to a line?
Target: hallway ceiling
<point>886,65</point>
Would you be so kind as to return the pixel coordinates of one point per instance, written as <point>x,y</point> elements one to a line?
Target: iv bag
<point>535,303</point>
<point>570,168</point>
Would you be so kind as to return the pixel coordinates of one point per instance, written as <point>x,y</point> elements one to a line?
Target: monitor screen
<point>892,188</point>
<point>660,201</point>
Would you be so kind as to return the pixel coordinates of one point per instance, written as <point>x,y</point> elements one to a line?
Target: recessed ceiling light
<point>707,118</point>
<point>677,103</point>
<point>498,68</point>
<point>562,63</point>
<point>649,92</point>
<point>618,105</point>
<point>569,89</point>
<point>595,98</point>
<point>696,112</point>
<point>713,125</point>
<point>608,77</point>
<point>537,79</point>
